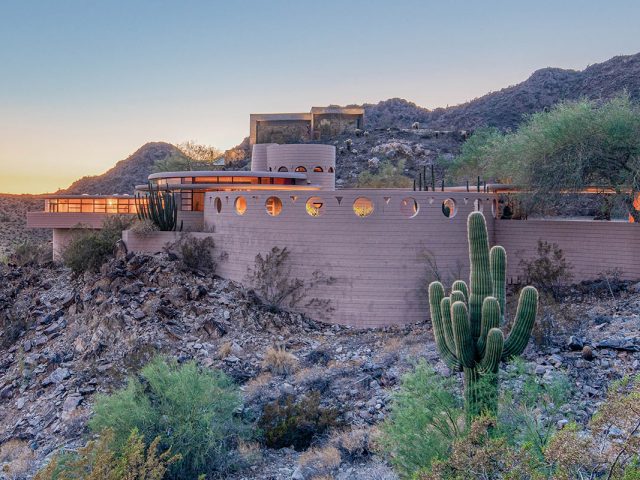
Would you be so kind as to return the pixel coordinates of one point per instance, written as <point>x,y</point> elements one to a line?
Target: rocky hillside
<point>13,220</point>
<point>127,173</point>
<point>505,108</point>
<point>66,339</point>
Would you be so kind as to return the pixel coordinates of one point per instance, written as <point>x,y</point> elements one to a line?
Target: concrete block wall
<point>307,156</point>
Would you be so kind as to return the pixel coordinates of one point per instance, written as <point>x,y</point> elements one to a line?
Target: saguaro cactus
<point>466,323</point>
<point>160,208</point>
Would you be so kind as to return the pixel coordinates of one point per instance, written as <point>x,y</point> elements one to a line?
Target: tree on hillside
<point>194,157</point>
<point>567,149</point>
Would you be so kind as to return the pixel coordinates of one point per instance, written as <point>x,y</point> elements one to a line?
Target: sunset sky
<point>84,83</point>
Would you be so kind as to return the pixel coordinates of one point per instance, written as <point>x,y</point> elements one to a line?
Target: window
<point>301,169</point>
<point>494,208</point>
<point>218,204</point>
<point>409,207</point>
<point>241,205</point>
<point>363,207</point>
<point>273,206</point>
<point>477,205</point>
<point>197,204</point>
<point>283,169</point>
<point>449,209</point>
<point>318,170</point>
<point>315,206</point>
<point>330,170</point>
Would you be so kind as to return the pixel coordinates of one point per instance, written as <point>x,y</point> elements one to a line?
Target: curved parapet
<point>316,161</point>
<point>259,157</point>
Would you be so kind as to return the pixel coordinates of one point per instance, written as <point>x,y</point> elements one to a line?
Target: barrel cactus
<point>467,323</point>
<point>160,207</point>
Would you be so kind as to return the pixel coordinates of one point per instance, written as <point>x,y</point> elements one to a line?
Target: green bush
<point>287,423</point>
<point>387,176</point>
<point>425,419</point>
<point>195,254</point>
<point>30,253</point>
<point>97,461</point>
<point>90,248</point>
<point>191,410</point>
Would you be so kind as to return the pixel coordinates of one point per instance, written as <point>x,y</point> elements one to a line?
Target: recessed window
<point>494,208</point>
<point>315,206</point>
<point>409,207</point>
<point>318,169</point>
<point>477,205</point>
<point>363,207</point>
<point>449,208</point>
<point>330,170</point>
<point>301,169</point>
<point>218,204</point>
<point>241,205</point>
<point>283,169</point>
<point>273,206</point>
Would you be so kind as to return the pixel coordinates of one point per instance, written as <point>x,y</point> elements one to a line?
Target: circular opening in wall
<point>362,207</point>
<point>330,170</point>
<point>477,205</point>
<point>315,206</point>
<point>449,208</point>
<point>273,206</point>
<point>241,205</point>
<point>218,204</point>
<point>318,170</point>
<point>494,208</point>
<point>301,169</point>
<point>409,207</point>
<point>283,169</point>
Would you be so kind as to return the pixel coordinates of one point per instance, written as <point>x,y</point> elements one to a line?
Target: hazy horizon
<point>85,85</point>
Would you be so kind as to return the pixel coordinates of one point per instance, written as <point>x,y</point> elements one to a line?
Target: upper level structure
<point>321,123</point>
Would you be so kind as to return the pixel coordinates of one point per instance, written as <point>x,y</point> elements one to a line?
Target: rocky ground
<point>13,222</point>
<point>65,339</point>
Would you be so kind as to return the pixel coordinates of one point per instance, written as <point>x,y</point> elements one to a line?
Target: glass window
<point>363,207</point>
<point>273,206</point>
<point>318,169</point>
<point>241,205</point>
<point>315,206</point>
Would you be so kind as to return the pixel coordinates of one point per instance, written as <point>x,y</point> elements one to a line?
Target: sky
<point>84,83</point>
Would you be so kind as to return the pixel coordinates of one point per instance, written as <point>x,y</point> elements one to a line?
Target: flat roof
<point>227,173</point>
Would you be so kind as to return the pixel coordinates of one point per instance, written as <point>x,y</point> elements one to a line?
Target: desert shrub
<point>91,248</point>
<point>195,254</point>
<point>144,227</point>
<point>425,419</point>
<point>549,269</point>
<point>318,463</point>
<point>30,253</point>
<point>388,175</point>
<point>16,459</point>
<point>354,444</point>
<point>11,327</point>
<point>287,423</point>
<point>276,288</point>
<point>97,461</point>
<point>278,361</point>
<point>191,410</point>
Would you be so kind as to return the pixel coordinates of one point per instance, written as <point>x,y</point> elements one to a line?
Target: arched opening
<point>409,207</point>
<point>218,204</point>
<point>283,169</point>
<point>241,205</point>
<point>318,170</point>
<point>494,208</point>
<point>330,170</point>
<point>301,169</point>
<point>477,205</point>
<point>273,206</point>
<point>449,208</point>
<point>363,207</point>
<point>315,206</point>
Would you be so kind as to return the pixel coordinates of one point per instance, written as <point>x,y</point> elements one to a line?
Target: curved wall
<point>259,157</point>
<point>379,262</point>
<point>309,156</point>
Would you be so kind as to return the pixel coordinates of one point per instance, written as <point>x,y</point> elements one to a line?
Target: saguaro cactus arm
<point>436,294</point>
<point>445,310</point>
<point>493,352</point>
<point>465,345</point>
<point>490,319</point>
<point>523,323</point>
<point>480,274</point>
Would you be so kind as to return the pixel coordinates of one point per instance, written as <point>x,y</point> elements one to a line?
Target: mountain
<point>127,173</point>
<point>506,108</point>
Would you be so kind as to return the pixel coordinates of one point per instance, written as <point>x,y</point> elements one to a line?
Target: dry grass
<point>250,452</point>
<point>224,350</point>
<point>279,362</point>
<point>255,386</point>
<point>16,459</point>
<point>320,462</point>
<point>355,443</point>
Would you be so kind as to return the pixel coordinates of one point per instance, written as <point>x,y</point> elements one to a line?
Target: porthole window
<point>330,170</point>
<point>218,204</point>
<point>283,169</point>
<point>301,169</point>
<point>477,205</point>
<point>315,206</point>
<point>363,207</point>
<point>318,170</point>
<point>449,208</point>
<point>241,205</point>
<point>273,206</point>
<point>409,207</point>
